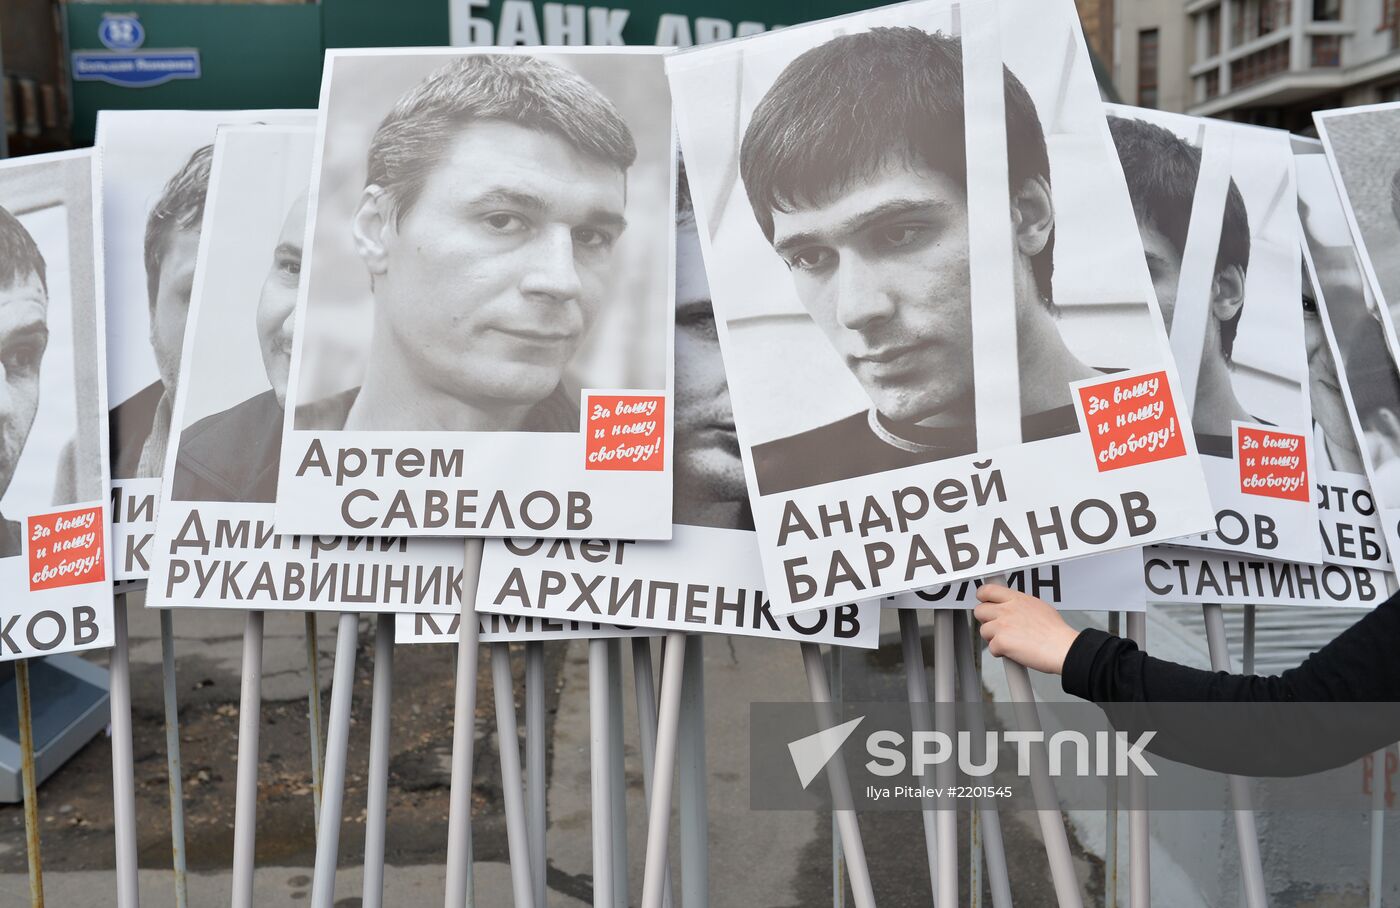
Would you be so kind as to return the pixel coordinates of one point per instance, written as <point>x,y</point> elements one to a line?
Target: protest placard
<point>856,201</point>
<point>55,568</point>
<point>482,343</point>
<point>1215,205</point>
<point>155,170</point>
<point>216,542</point>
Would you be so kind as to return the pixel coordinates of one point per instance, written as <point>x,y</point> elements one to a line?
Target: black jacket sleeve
<point>1289,730</point>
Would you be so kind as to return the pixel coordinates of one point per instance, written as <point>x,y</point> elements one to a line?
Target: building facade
<point>1271,62</point>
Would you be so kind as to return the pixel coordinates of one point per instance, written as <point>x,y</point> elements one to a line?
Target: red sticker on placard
<point>1273,463</point>
<point>1131,420</point>
<point>624,432</point>
<point>65,548</point>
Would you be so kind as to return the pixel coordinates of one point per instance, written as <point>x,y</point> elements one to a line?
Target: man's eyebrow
<point>292,250</point>
<point>528,201</point>
<point>601,217</point>
<point>512,197</point>
<point>859,221</point>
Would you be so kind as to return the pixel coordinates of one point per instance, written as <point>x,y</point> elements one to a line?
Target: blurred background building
<point>1270,62</point>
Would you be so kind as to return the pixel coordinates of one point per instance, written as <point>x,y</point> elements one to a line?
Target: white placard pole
<point>1110,853</point>
<point>852,848</point>
<point>1251,865</point>
<point>945,696</point>
<point>600,772</point>
<point>916,686</point>
<point>459,812</point>
<point>691,778</point>
<point>174,765</point>
<point>618,783</point>
<point>377,785</point>
<point>644,679</point>
<point>123,768</point>
<point>1139,832</point>
<point>337,745</point>
<point>536,782</point>
<point>989,821</point>
<point>313,714</point>
<point>512,785</point>
<point>658,853</point>
<point>245,799</point>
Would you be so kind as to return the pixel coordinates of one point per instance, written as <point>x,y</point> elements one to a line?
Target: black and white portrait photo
<point>1364,379</point>
<point>50,453</point>
<point>1363,148</point>
<point>222,464</point>
<point>710,488</point>
<point>1215,204</point>
<point>1161,157</point>
<point>490,241</point>
<point>53,416</point>
<point>155,177</point>
<point>497,239</point>
<point>850,183</point>
<point>235,384</point>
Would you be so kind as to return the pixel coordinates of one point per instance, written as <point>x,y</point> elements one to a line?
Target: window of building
<point>1256,18</point>
<point>1208,85</point>
<point>1259,65</point>
<point>1326,50</point>
<point>1148,43</point>
<point>1327,10</point>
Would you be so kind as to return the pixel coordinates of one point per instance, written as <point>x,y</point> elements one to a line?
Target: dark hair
<point>414,136</point>
<point>840,109</point>
<point>1162,169</point>
<point>19,254</point>
<point>180,207</point>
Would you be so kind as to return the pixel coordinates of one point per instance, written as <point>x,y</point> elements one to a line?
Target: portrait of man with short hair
<point>233,455</point>
<point>496,192</point>
<point>140,425</point>
<point>709,474</point>
<point>1162,171</point>
<point>24,335</point>
<point>855,167</point>
<point>52,401</point>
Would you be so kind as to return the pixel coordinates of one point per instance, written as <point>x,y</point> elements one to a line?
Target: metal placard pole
<point>691,778</point>
<point>512,785</point>
<point>536,781</point>
<point>174,765</point>
<point>916,686</point>
<point>658,854</point>
<point>1139,831</point>
<point>644,679</point>
<point>377,785</point>
<point>313,715</point>
<point>459,812</point>
<point>337,747</point>
<point>853,850</point>
<point>1251,865</point>
<point>600,772</point>
<point>245,810</point>
<point>123,768</point>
